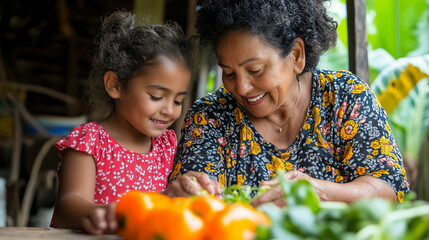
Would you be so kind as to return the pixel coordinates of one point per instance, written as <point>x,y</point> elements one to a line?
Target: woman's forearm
<point>362,187</point>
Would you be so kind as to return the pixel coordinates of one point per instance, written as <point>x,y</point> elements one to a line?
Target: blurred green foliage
<point>396,29</point>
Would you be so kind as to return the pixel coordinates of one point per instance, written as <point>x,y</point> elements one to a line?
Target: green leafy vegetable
<point>370,219</point>
<point>235,193</point>
<point>305,218</point>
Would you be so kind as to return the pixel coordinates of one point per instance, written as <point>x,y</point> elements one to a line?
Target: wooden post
<point>192,16</point>
<point>190,98</point>
<point>358,39</point>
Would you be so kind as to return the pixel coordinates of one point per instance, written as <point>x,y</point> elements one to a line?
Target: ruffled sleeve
<point>83,138</point>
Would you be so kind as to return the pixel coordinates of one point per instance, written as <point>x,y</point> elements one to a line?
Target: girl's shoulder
<point>83,136</point>
<point>168,137</point>
<point>88,126</point>
<point>88,129</point>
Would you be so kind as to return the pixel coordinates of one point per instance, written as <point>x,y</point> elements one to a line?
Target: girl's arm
<point>75,206</point>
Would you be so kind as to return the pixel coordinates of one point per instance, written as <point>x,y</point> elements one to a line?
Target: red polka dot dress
<point>119,170</point>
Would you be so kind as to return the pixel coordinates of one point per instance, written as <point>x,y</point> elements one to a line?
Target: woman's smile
<point>255,100</point>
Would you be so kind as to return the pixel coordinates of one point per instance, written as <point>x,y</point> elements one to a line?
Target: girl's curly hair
<point>279,22</point>
<point>128,50</point>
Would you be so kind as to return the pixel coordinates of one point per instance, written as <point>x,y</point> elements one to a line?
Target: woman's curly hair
<point>279,22</point>
<point>128,50</point>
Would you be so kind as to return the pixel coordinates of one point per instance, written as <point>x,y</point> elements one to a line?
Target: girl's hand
<point>101,220</point>
<point>192,183</point>
<point>275,194</point>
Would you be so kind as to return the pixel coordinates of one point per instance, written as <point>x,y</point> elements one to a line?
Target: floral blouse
<point>345,135</point>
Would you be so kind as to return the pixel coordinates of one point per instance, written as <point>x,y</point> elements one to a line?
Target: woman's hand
<point>101,220</point>
<point>275,194</point>
<point>192,183</point>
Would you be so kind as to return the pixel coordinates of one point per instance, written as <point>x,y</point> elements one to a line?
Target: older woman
<point>277,110</point>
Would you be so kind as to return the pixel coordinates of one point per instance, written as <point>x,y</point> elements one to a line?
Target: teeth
<point>157,121</point>
<point>256,98</point>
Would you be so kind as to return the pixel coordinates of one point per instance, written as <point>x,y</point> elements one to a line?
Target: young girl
<point>138,82</point>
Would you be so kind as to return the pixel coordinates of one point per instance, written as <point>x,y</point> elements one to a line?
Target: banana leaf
<point>409,117</point>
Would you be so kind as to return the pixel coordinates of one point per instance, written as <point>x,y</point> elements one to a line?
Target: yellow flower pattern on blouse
<point>325,99</point>
<point>200,119</point>
<point>289,166</point>
<point>388,129</point>
<point>276,164</point>
<point>228,162</point>
<point>348,153</point>
<point>222,180</point>
<point>321,141</point>
<point>176,170</point>
<point>345,135</point>
<point>400,196</point>
<point>358,88</point>
<point>339,178</point>
<point>306,126</point>
<point>240,179</point>
<point>208,167</point>
<point>238,116</point>
<point>279,163</point>
<point>379,173</point>
<point>339,74</point>
<point>360,171</point>
<point>384,146</point>
<point>196,133</point>
<point>285,156</point>
<point>246,134</point>
<point>403,171</point>
<point>325,78</point>
<point>349,130</point>
<point>255,149</point>
<point>316,116</point>
<point>328,99</point>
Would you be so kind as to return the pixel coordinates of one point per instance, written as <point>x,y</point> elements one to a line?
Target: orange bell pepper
<point>132,209</point>
<point>206,206</point>
<point>177,222</point>
<point>238,221</point>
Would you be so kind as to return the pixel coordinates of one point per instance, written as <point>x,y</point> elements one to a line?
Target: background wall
<point>45,50</point>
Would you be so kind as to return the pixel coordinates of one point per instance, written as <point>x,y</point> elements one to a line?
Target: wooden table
<point>21,233</point>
